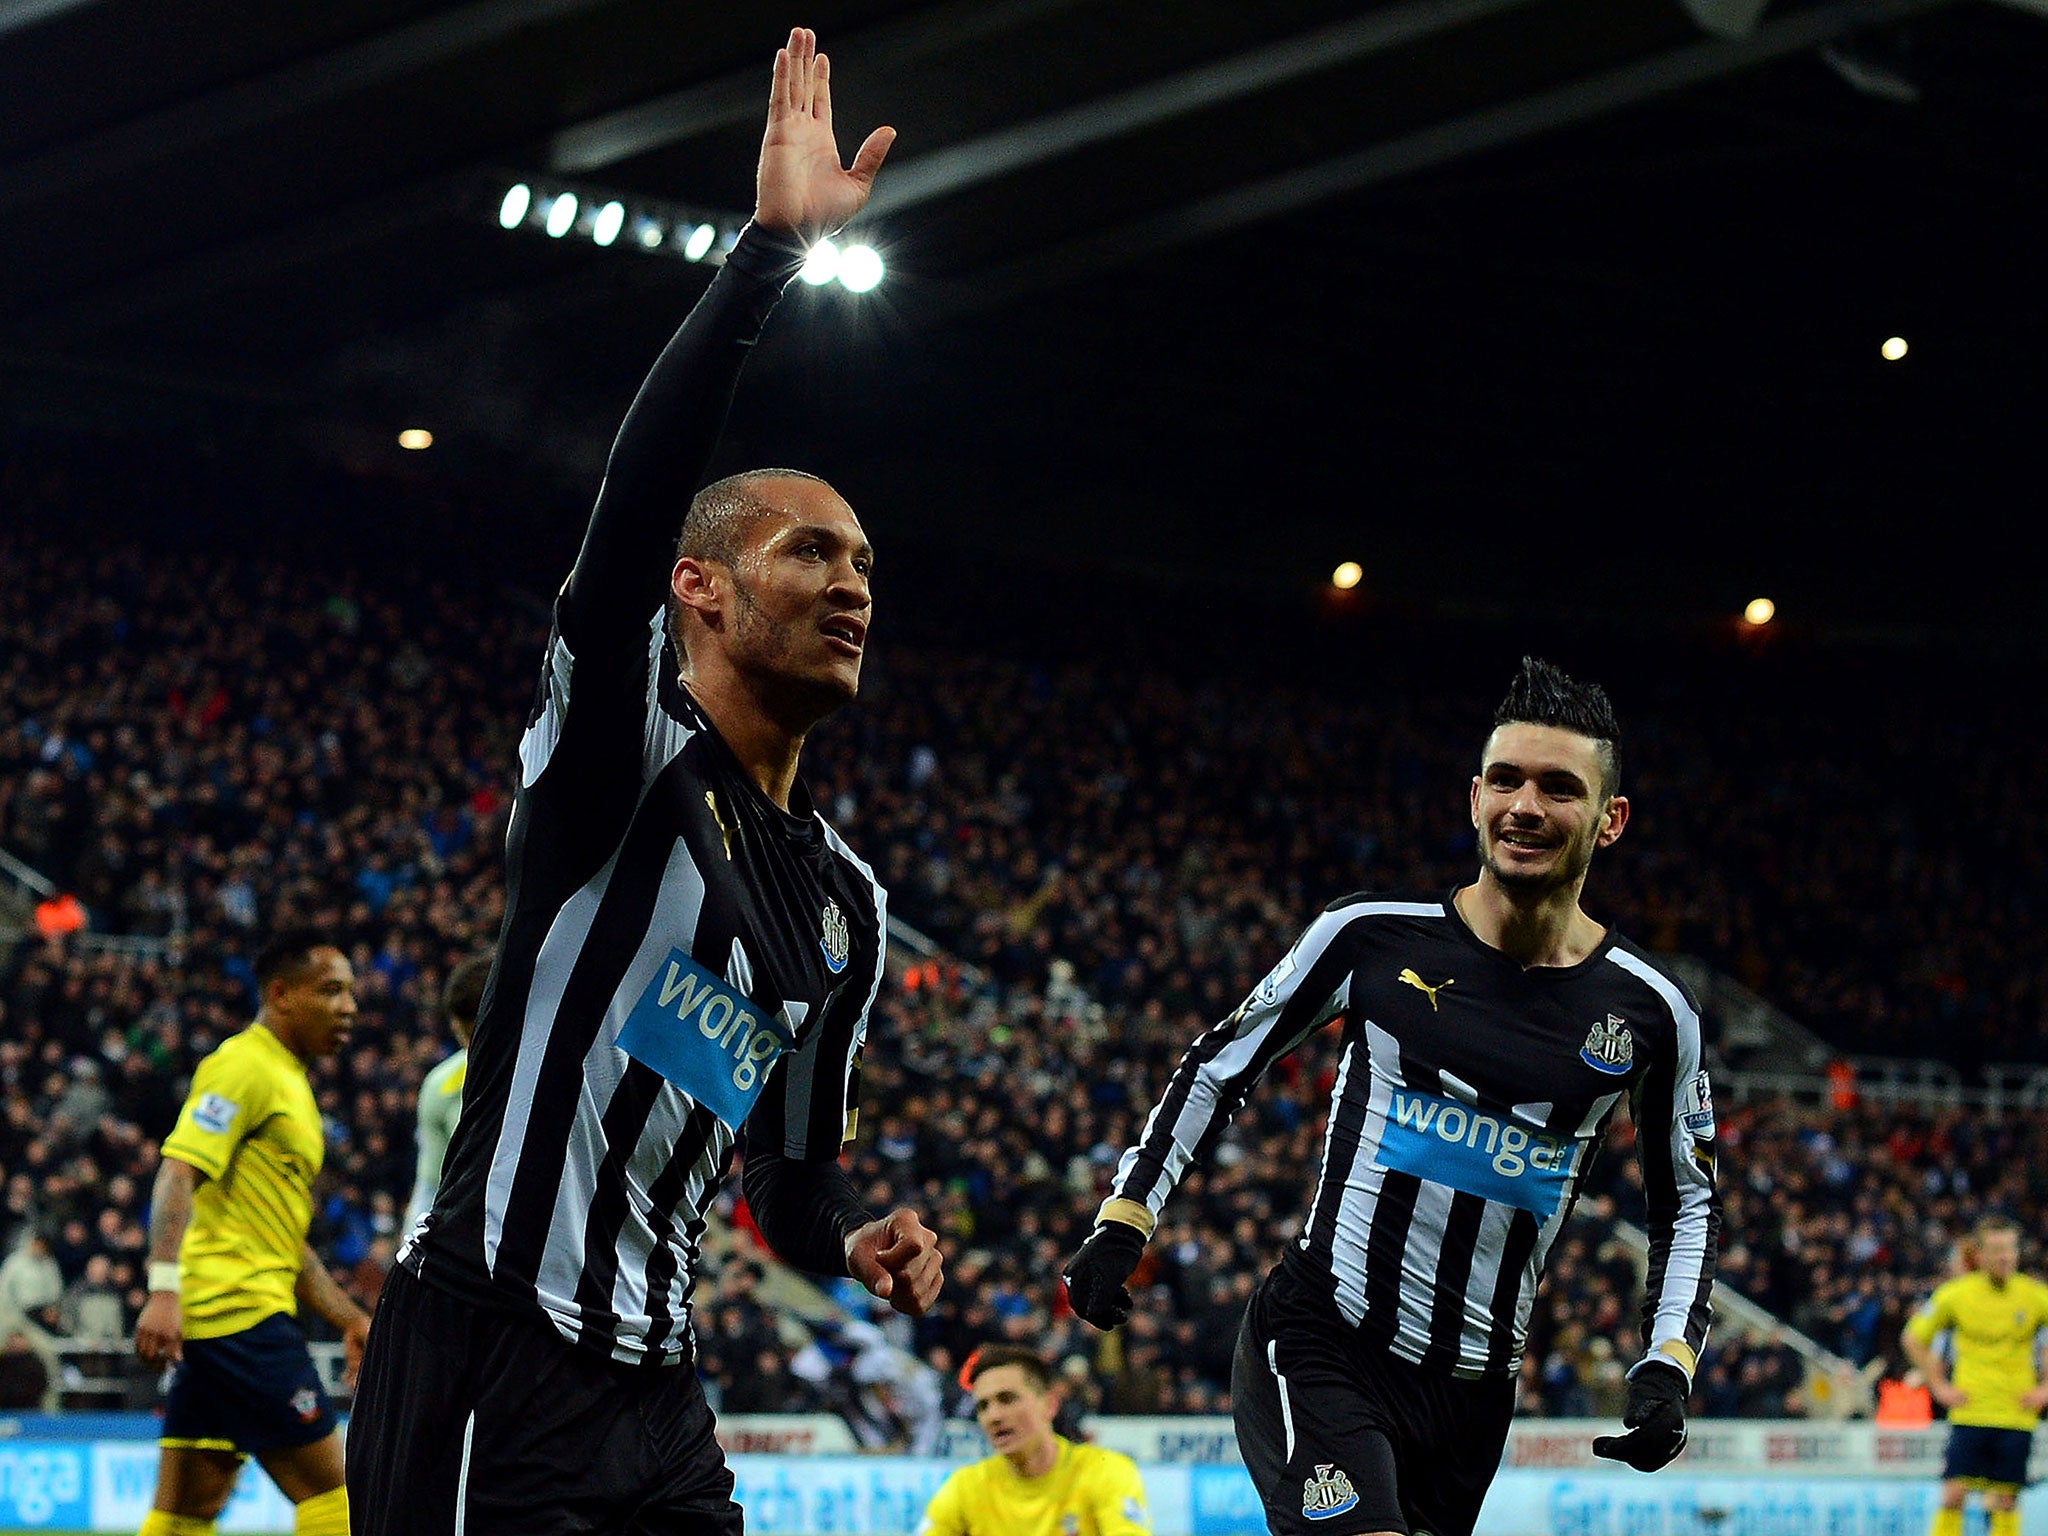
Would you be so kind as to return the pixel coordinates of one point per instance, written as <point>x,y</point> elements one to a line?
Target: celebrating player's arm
<point>801,1198</point>
<point>1673,1107</point>
<point>1301,994</point>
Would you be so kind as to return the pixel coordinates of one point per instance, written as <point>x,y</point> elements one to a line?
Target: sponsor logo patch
<point>708,1039</point>
<point>1609,1047</point>
<point>306,1404</point>
<point>1451,1143</point>
<point>834,939</point>
<point>1328,1494</point>
<point>1699,1108</point>
<point>214,1113</point>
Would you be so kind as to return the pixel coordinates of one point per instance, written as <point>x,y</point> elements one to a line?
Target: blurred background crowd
<point>195,749</point>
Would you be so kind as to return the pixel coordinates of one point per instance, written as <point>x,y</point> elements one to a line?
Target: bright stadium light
<point>822,265</point>
<point>1761,611</point>
<point>562,215</point>
<point>648,233</point>
<point>415,438</point>
<point>1894,348</point>
<point>512,211</point>
<point>860,268</point>
<point>700,241</point>
<point>611,218</point>
<point>1347,576</point>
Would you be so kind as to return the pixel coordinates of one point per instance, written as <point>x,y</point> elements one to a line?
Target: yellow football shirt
<point>1993,1327</point>
<point>1088,1492</point>
<point>252,1127</point>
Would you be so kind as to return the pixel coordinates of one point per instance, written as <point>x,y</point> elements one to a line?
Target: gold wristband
<point>163,1275</point>
<point>1131,1213</point>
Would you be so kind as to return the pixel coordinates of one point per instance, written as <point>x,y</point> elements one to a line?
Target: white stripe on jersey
<point>558,952</point>
<point>1689,1258</point>
<point>604,1068</point>
<point>537,745</point>
<point>1359,1196</point>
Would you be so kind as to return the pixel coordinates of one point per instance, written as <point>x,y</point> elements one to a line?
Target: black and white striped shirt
<point>680,958</point>
<point>1470,1101</point>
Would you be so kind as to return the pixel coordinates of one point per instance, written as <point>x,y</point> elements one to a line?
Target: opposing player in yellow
<point>1037,1483</point>
<point>229,1264</point>
<point>1995,1394</point>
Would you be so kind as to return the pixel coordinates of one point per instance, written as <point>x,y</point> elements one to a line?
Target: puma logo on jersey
<point>718,816</point>
<point>1415,981</point>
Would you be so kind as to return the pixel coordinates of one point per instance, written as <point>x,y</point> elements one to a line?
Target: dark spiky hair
<point>1542,694</point>
<point>288,953</point>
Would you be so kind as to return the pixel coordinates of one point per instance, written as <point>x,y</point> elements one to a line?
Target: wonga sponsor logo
<point>1468,1149</point>
<point>43,1486</point>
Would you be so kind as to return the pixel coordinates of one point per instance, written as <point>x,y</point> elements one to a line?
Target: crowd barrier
<point>796,1477</point>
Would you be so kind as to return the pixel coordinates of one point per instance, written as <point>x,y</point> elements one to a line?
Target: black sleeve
<point>804,1209</point>
<point>663,448</point>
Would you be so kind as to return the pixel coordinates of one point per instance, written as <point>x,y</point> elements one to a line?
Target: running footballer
<point>1488,1036</point>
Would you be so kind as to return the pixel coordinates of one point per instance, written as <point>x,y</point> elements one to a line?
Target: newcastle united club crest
<point>1609,1047</point>
<point>835,940</point>
<point>1328,1494</point>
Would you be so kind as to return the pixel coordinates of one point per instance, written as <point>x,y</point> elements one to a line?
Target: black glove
<point>1095,1275</point>
<point>1655,1417</point>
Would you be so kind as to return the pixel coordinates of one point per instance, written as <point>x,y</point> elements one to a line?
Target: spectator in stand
<point>31,1283</point>
<point>24,1379</point>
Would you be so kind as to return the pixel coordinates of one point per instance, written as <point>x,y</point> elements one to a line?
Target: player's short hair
<point>288,954</point>
<point>1997,1221</point>
<point>1543,694</point>
<point>716,527</point>
<point>463,993</point>
<point>989,1356</point>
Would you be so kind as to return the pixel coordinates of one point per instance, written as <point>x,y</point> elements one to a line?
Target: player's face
<point>1999,1253</point>
<point>801,597</point>
<point>1538,808</point>
<point>314,1008</point>
<point>1014,1413</point>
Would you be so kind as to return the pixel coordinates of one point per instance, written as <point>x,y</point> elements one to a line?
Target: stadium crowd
<point>199,749</point>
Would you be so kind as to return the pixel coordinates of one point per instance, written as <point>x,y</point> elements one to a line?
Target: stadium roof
<point>1498,297</point>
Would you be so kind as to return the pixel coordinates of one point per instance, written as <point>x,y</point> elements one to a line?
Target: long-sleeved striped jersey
<point>1469,1104</point>
<point>681,958</point>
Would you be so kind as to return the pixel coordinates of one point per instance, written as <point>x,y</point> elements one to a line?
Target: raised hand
<point>801,186</point>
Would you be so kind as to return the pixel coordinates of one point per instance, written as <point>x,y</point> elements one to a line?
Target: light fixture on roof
<point>1347,576</point>
<point>822,264</point>
<point>860,268</point>
<point>415,438</point>
<point>611,218</point>
<point>1893,349</point>
<point>562,215</point>
<point>1761,611</point>
<point>699,242</point>
<point>648,233</point>
<point>512,211</point>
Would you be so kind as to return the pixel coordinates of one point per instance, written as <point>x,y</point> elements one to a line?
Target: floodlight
<point>860,268</point>
<point>822,265</point>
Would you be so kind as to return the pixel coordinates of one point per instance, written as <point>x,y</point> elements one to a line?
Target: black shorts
<point>1986,1457</point>
<point>478,1422</point>
<point>252,1392</point>
<point>1341,1436</point>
